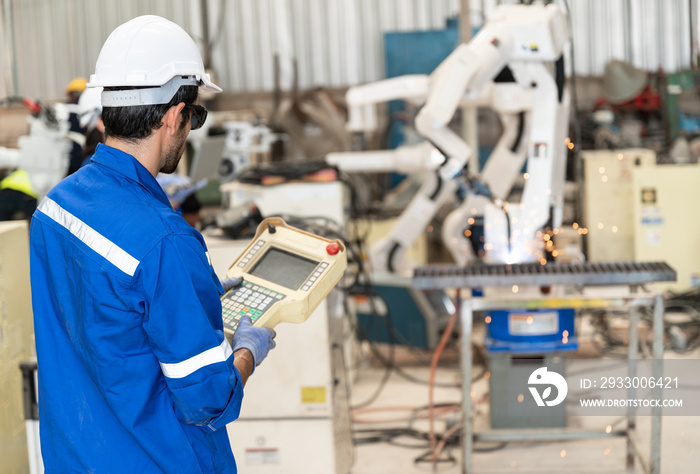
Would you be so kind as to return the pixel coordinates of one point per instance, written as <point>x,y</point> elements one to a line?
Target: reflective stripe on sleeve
<point>194,363</point>
<point>90,237</point>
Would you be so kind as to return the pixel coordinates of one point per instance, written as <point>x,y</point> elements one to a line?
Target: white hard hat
<point>90,107</point>
<point>152,53</point>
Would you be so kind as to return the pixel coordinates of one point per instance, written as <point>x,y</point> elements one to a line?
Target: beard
<point>174,153</point>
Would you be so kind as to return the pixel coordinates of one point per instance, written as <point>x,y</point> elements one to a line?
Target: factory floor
<point>392,409</point>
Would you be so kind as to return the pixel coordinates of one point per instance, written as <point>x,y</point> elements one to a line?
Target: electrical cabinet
<point>608,201</point>
<point>16,342</point>
<point>665,225</point>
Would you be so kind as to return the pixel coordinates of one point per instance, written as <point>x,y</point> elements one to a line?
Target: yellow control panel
<point>286,273</point>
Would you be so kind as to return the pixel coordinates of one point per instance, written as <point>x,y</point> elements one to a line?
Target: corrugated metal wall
<point>651,34</point>
<point>335,42</point>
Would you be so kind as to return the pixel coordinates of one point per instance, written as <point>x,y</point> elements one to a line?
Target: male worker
<point>90,115</point>
<point>74,90</point>
<point>17,197</point>
<point>135,374</point>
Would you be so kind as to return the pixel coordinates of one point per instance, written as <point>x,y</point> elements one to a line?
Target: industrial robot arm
<point>523,38</point>
<point>519,36</point>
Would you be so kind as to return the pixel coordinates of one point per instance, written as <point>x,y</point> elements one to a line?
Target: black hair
<point>93,138</point>
<point>138,122</point>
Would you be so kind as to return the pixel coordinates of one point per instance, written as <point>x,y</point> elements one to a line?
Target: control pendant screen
<point>283,268</point>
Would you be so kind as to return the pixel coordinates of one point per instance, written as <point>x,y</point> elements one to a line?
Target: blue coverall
<point>135,374</point>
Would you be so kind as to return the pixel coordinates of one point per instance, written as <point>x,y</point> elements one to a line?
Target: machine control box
<point>286,273</point>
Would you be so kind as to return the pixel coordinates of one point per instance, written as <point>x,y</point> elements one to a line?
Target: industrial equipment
<point>247,144</point>
<point>505,67</point>
<point>633,275</point>
<point>609,201</point>
<point>207,156</point>
<point>286,274</point>
<point>516,41</point>
<point>299,199</point>
<point>397,313</point>
<point>45,153</point>
<point>664,226</point>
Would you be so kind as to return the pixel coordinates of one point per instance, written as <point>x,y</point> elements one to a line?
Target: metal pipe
<point>692,18</point>
<point>632,354</point>
<point>658,353</point>
<point>469,119</point>
<point>206,45</point>
<point>467,315</point>
<point>627,19</point>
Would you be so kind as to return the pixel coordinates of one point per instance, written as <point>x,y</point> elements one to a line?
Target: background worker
<point>135,374</point>
<point>77,131</point>
<point>17,197</point>
<point>90,118</point>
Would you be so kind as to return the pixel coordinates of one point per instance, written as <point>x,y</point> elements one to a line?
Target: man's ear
<point>173,118</point>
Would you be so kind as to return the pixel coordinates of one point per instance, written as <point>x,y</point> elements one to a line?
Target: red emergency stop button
<point>332,248</point>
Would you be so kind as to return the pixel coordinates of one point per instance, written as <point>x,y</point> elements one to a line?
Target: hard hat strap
<point>147,96</point>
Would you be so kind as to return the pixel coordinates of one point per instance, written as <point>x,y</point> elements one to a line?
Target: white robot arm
<point>419,158</point>
<point>362,100</point>
<point>521,37</point>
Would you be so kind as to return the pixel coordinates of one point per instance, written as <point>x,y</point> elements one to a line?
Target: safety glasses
<point>199,115</point>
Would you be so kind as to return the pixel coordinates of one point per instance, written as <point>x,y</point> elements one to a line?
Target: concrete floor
<point>680,435</point>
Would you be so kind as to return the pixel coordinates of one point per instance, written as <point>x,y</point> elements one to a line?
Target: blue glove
<point>259,341</point>
<point>229,283</point>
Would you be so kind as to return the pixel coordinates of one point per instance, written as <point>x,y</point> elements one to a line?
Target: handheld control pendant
<point>286,272</point>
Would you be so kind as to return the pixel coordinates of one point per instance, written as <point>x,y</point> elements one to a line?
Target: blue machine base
<point>531,331</point>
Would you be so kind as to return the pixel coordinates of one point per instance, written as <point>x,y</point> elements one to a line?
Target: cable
<point>433,369</point>
<point>415,413</point>
<point>389,364</point>
<point>508,228</point>
<point>440,446</point>
<point>378,390</point>
<point>389,361</point>
<point>521,128</point>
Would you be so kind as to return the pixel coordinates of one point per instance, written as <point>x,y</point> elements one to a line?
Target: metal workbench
<point>632,275</point>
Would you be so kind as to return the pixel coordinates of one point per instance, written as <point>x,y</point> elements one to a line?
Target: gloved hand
<point>229,283</point>
<point>259,341</point>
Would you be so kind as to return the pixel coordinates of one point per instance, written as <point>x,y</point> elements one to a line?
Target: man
<point>135,374</point>
<point>17,196</point>
<point>90,115</point>
<point>74,90</point>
